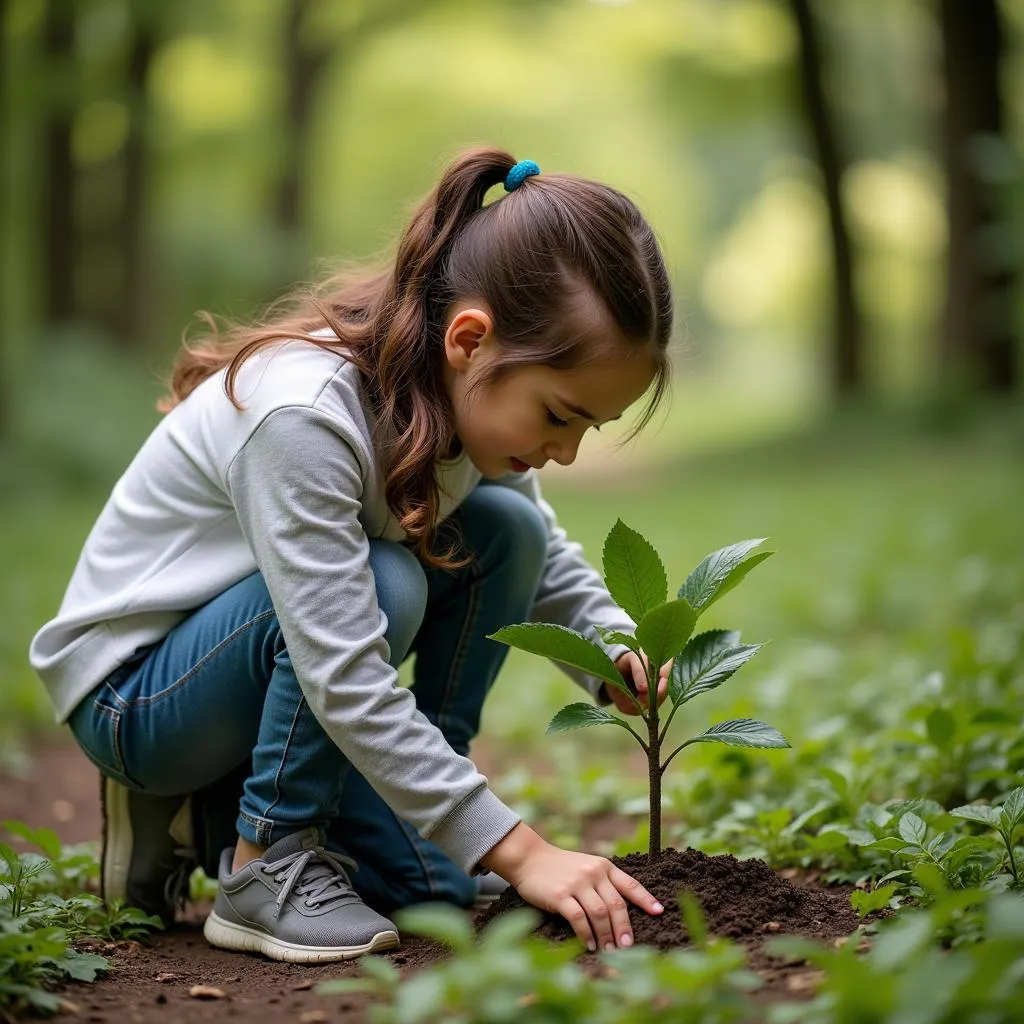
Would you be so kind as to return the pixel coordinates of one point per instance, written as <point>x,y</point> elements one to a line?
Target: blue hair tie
<point>519,174</point>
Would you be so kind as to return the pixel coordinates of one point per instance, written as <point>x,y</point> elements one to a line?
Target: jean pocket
<point>96,725</point>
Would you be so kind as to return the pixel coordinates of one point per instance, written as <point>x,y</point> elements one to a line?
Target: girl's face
<point>537,413</point>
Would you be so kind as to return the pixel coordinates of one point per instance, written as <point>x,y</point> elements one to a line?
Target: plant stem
<point>1008,842</point>
<point>654,764</point>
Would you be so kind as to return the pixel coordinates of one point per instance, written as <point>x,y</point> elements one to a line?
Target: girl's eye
<point>555,421</point>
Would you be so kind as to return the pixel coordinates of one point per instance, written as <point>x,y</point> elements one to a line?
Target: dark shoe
<point>148,852</point>
<point>295,903</point>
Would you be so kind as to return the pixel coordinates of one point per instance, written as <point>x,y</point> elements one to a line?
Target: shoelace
<point>317,890</point>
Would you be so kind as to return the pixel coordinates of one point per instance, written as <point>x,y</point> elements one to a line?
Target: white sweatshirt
<point>292,486</point>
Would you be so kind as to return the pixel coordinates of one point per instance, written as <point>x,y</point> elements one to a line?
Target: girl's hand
<point>587,891</point>
<point>633,670</point>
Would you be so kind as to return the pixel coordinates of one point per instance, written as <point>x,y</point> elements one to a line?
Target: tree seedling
<point>636,580</point>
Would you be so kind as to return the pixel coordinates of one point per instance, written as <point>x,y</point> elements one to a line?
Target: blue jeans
<point>215,709</point>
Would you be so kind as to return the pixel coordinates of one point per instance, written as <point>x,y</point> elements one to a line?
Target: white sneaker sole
<point>117,842</point>
<point>242,939</point>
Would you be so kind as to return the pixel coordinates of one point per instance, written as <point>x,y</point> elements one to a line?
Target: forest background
<point>838,188</point>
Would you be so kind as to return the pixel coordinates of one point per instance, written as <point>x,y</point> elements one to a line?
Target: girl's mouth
<point>519,467</point>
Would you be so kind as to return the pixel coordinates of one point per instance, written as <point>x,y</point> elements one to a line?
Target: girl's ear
<point>470,331</point>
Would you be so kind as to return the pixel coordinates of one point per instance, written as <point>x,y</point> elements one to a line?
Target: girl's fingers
<point>634,891</point>
<point>600,917</point>
<point>621,929</point>
<point>571,909</point>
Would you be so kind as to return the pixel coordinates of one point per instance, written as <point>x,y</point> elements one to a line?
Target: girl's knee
<point>401,593</point>
<point>504,517</point>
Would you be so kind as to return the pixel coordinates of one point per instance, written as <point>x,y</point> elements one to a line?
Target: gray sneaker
<point>295,903</point>
<point>147,851</point>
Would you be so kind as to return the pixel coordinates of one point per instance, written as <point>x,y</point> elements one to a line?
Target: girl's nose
<point>562,453</point>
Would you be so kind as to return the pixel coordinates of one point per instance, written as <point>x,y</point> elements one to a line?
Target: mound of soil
<point>743,900</point>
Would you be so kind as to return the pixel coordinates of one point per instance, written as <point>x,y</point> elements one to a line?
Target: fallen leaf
<point>165,976</point>
<point>302,986</point>
<point>806,982</point>
<point>66,1006</point>
<point>205,992</point>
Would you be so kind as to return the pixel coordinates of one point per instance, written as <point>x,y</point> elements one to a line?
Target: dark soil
<point>743,900</point>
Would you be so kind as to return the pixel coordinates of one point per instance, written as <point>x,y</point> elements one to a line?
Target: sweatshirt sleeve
<point>296,487</point>
<point>571,593</point>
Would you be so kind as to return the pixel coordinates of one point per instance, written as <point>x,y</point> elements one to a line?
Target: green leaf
<point>742,732</point>
<point>580,716</point>
<point>878,899</point>
<point>901,940</point>
<point>633,571</point>
<point>383,972</point>
<point>614,636</point>
<point>664,631</point>
<point>978,812</point>
<point>561,644</point>
<point>940,726</point>
<point>1013,809</point>
<point>720,572</point>
<point>437,921</point>
<point>9,856</point>
<point>912,829</point>
<point>693,915</point>
<point>44,838</point>
<point>508,930</point>
<point>82,966</point>
<point>707,661</point>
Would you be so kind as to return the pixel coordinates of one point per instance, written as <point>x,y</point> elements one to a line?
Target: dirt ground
<point>744,900</point>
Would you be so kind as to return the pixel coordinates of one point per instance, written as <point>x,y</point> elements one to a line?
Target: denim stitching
<point>262,828</point>
<point>115,717</point>
<point>284,755</point>
<point>140,701</point>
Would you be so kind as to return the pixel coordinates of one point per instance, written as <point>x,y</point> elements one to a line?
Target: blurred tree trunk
<point>6,120</point>
<point>303,65</point>
<point>847,329</point>
<point>979,344</point>
<point>132,237</point>
<point>60,238</point>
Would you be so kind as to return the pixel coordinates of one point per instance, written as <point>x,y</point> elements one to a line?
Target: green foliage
<point>635,577</point>
<point>1006,820</point>
<point>908,975</point>
<point>43,911</point>
<point>509,975</point>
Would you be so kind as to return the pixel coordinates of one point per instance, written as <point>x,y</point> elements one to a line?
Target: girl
<point>337,487</point>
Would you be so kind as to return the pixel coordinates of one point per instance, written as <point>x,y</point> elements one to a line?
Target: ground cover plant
<point>636,579</point>
<point>44,913</point>
<point>894,615</point>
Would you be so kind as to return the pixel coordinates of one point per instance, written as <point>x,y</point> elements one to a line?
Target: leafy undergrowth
<point>45,912</point>
<point>896,972</point>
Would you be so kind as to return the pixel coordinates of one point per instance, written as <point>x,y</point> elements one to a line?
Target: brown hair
<point>531,256</point>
